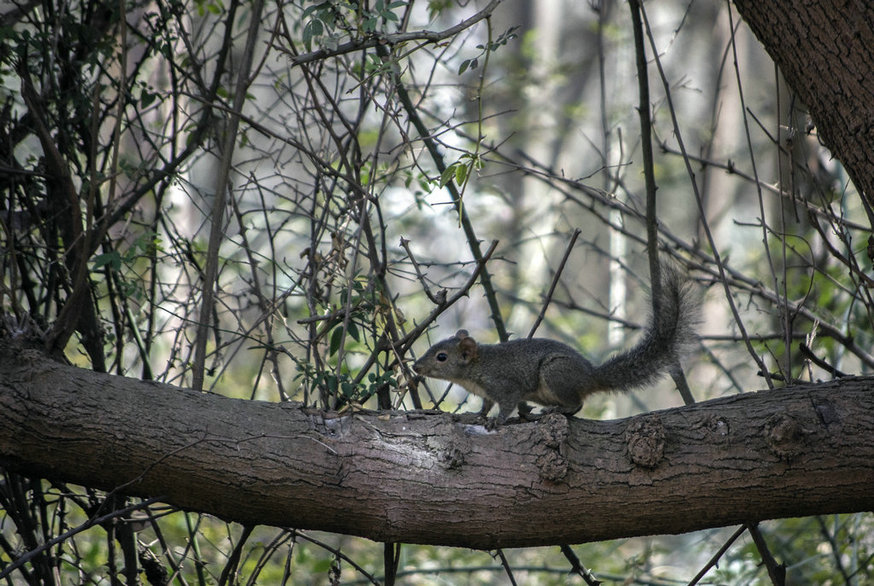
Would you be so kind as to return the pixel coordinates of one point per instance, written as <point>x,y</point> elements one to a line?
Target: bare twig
<point>718,555</point>
<point>26,557</point>
<point>469,232</point>
<point>554,283</point>
<point>577,566</point>
<point>216,233</point>
<point>435,299</point>
<point>694,185</point>
<point>506,565</point>
<point>391,39</point>
<point>652,231</point>
<point>776,571</point>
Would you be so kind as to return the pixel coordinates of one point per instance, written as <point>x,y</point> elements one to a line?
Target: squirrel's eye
<point>442,356</point>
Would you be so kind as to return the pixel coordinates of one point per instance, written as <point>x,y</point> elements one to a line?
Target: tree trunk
<point>825,51</point>
<point>425,477</point>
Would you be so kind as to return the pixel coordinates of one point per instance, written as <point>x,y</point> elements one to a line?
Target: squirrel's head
<point>448,358</point>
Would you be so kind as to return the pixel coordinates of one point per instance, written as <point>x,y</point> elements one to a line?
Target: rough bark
<point>825,51</point>
<point>432,478</point>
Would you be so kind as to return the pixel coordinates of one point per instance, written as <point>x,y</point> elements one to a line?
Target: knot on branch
<point>551,436</point>
<point>784,435</point>
<point>826,412</point>
<point>453,455</point>
<point>329,424</point>
<point>717,426</point>
<point>449,445</point>
<point>645,441</point>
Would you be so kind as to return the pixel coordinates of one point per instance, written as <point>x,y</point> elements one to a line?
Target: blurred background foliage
<point>352,162</point>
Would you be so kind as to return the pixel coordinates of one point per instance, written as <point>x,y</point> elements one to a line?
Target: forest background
<point>288,201</point>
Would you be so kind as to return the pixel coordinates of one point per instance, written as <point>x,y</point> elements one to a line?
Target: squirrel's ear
<point>467,349</point>
<point>461,334</point>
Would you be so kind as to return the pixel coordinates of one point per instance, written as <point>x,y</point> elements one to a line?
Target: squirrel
<point>555,375</point>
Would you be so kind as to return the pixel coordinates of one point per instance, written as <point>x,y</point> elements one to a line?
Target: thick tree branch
<point>825,50</point>
<point>420,477</point>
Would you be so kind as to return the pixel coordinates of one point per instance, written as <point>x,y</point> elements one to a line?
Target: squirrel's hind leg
<point>559,388</point>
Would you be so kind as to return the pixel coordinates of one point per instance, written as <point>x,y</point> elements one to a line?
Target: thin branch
<point>555,280</point>
<point>506,565</point>
<point>577,566</point>
<point>469,232</point>
<point>216,233</point>
<point>652,230</point>
<point>390,39</point>
<point>711,241</point>
<point>776,571</point>
<point>391,560</point>
<point>718,555</point>
<point>438,299</point>
<point>233,563</point>
<point>26,557</point>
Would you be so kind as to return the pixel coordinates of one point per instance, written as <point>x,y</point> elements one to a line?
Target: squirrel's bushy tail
<point>669,336</point>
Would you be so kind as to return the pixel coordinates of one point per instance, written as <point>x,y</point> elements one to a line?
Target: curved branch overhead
<point>427,477</point>
<point>825,51</point>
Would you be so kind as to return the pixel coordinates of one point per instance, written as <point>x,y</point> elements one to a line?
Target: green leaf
<point>336,338</point>
<point>460,174</point>
<point>147,98</point>
<point>312,29</point>
<point>113,259</point>
<point>447,174</point>
<point>310,9</point>
<point>353,331</point>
